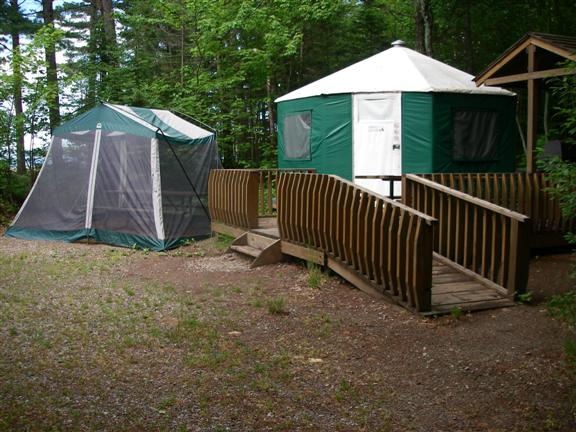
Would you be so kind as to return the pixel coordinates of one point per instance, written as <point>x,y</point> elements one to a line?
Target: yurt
<point>122,175</point>
<point>397,112</point>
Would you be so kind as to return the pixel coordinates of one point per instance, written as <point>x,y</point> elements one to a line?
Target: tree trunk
<point>51,69</point>
<point>106,9</point>
<point>17,88</point>
<point>271,121</point>
<point>423,18</point>
<point>468,46</point>
<point>92,47</point>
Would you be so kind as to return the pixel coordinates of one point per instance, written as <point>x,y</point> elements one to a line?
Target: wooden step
<point>265,250</point>
<point>259,241</point>
<point>247,250</point>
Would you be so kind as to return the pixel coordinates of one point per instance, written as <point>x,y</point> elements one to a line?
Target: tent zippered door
<point>156,189</point>
<point>92,178</point>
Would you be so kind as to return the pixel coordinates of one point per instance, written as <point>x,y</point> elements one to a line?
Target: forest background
<point>223,62</point>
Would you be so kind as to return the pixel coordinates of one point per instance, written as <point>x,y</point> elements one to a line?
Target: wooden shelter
<point>534,57</point>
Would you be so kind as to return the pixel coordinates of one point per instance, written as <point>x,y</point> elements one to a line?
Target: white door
<point>377,139</point>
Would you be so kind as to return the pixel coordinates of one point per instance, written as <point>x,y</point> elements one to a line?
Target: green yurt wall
<point>326,130</point>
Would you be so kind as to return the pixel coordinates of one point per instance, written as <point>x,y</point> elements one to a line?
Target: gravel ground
<point>94,337</point>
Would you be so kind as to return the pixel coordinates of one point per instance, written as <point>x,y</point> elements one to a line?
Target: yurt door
<point>377,140</point>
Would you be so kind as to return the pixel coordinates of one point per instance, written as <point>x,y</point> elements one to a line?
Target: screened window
<point>296,135</point>
<point>475,135</point>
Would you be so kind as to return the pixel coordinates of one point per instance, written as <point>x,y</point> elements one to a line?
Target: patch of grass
<point>257,303</point>
<point>563,306</point>
<point>314,275</point>
<point>209,359</point>
<point>223,241</point>
<point>456,312</point>
<point>323,325</point>
<point>129,291</point>
<point>570,352</point>
<point>525,298</point>
<point>345,390</point>
<point>277,306</point>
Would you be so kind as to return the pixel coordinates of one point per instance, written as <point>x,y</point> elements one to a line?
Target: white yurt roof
<point>396,69</point>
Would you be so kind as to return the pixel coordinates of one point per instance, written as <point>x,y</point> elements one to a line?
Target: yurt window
<point>475,135</point>
<point>296,135</point>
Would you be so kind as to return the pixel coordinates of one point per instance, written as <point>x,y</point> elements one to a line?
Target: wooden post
<point>423,269</point>
<point>519,256</point>
<point>532,112</point>
<point>252,199</point>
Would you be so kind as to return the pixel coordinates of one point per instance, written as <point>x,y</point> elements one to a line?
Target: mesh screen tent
<point>125,176</point>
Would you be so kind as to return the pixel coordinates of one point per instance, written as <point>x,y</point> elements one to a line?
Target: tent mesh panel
<point>123,189</point>
<point>181,208</point>
<point>58,201</point>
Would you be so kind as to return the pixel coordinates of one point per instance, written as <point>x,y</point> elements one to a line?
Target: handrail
<point>488,240</point>
<point>424,216</point>
<point>463,196</point>
<point>387,243</point>
<point>525,193</point>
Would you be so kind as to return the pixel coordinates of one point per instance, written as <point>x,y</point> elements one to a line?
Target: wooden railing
<point>267,186</point>
<point>386,242</point>
<point>484,238</point>
<point>233,197</point>
<point>238,197</point>
<point>521,192</point>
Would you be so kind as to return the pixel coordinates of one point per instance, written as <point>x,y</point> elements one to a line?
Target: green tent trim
<point>102,236</point>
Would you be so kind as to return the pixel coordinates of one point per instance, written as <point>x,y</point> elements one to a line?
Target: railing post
<point>252,199</point>
<point>423,268</point>
<point>406,192</point>
<point>519,256</point>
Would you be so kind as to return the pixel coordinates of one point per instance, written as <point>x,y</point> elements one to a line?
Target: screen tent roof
<point>396,69</point>
<point>137,121</point>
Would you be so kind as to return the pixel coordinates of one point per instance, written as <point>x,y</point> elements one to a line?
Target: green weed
<point>563,306</point>
<point>344,391</point>
<point>314,275</point>
<point>525,297</point>
<point>277,306</point>
<point>223,241</point>
<point>456,312</point>
<point>257,303</point>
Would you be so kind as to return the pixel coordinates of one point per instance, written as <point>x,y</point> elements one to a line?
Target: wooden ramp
<point>452,288</point>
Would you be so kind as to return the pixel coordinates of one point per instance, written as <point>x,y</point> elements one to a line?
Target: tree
<point>17,86</point>
<point>562,173</point>
<point>51,67</point>
<point>423,26</point>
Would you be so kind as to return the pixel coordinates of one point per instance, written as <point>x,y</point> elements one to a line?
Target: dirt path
<point>100,338</point>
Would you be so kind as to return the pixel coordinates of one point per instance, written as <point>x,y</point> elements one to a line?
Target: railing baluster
<point>377,241</point>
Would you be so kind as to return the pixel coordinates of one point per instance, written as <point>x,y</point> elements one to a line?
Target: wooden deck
<point>451,288</point>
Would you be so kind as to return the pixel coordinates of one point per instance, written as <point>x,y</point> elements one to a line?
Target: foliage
<point>525,297</point>
<point>224,62</point>
<point>562,174</point>
<point>563,306</point>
